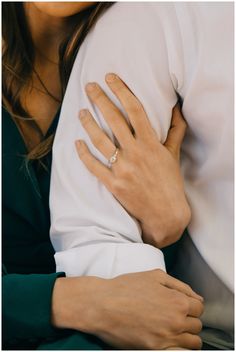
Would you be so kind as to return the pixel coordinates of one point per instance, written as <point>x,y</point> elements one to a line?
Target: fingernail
<point>111,77</point>
<point>78,144</point>
<point>91,86</point>
<point>83,113</point>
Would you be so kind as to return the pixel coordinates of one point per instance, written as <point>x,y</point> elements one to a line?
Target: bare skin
<point>148,310</point>
<point>48,31</point>
<point>146,179</point>
<point>163,312</point>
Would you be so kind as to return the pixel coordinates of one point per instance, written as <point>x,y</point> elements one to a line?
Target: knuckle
<point>98,141</point>
<point>181,301</point>
<point>187,288</point>
<point>126,171</point>
<point>185,305</point>
<point>118,187</point>
<point>154,343</point>
<point>113,111</point>
<point>178,324</point>
<point>135,155</point>
<point>152,144</point>
<point>134,106</point>
<point>177,297</point>
<point>133,110</point>
<point>124,174</point>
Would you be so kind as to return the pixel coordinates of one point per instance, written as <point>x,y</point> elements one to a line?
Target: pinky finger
<point>189,341</point>
<point>93,165</point>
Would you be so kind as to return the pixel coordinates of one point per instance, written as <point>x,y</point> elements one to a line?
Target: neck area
<point>47,32</point>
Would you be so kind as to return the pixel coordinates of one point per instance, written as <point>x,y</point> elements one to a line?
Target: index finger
<point>178,285</point>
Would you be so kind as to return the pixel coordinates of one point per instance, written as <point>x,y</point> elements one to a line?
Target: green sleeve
<point>26,306</point>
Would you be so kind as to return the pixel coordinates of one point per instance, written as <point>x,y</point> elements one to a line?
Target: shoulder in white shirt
<point>157,49</point>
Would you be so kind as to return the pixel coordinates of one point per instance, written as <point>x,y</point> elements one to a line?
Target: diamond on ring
<point>113,158</point>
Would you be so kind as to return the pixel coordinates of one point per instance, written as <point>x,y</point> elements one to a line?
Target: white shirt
<point>158,49</point>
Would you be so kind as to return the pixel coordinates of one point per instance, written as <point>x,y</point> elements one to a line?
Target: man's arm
<point>91,232</point>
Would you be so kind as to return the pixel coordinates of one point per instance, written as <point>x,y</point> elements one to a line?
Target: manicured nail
<point>91,86</point>
<point>110,77</point>
<point>83,113</point>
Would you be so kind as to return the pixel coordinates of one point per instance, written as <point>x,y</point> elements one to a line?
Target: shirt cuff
<point>108,260</point>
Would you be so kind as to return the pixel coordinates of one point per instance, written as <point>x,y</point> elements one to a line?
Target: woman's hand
<point>145,177</point>
<point>147,310</point>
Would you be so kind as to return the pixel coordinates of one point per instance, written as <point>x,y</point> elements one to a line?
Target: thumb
<point>176,132</point>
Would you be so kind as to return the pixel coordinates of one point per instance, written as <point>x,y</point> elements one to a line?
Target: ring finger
<point>193,325</point>
<point>98,137</point>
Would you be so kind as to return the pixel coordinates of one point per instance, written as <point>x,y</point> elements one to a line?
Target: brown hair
<point>18,63</point>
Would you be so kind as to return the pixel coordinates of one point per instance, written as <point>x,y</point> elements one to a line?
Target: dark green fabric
<point>26,218</point>
<point>29,271</point>
<point>26,303</point>
<point>75,342</point>
<point>28,256</point>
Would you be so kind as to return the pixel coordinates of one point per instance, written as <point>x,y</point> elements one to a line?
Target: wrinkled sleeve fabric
<point>91,232</point>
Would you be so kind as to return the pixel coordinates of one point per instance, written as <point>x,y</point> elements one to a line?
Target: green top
<point>28,256</point>
<point>26,218</point>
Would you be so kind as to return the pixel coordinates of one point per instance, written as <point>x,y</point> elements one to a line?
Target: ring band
<point>113,158</point>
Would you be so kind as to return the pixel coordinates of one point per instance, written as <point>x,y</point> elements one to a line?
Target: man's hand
<point>147,310</point>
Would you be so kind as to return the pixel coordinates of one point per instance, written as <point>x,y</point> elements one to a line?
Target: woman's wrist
<point>167,227</point>
<point>74,303</point>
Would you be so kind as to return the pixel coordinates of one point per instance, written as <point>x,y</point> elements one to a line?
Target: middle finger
<point>111,113</point>
<point>193,325</point>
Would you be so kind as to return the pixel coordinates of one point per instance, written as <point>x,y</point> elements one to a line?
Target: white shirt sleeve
<point>91,232</point>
